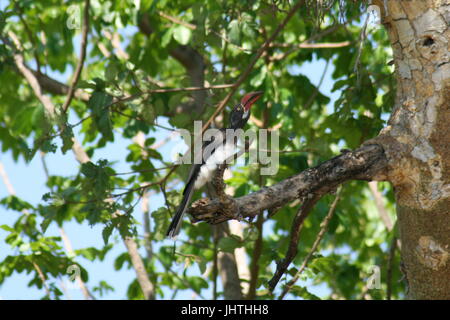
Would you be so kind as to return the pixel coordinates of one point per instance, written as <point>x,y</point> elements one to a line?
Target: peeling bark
<point>416,141</point>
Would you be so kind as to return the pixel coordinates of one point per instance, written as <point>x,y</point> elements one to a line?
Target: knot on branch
<point>366,163</point>
<point>219,209</point>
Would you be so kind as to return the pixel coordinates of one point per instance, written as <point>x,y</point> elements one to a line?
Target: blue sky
<point>28,179</point>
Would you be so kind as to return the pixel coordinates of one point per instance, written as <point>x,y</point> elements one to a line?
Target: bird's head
<point>241,112</point>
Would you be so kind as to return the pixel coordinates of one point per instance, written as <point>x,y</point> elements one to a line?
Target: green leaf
<point>165,40</point>
<point>202,264</point>
<point>7,228</point>
<point>323,264</point>
<point>234,34</point>
<point>162,220</point>
<point>106,233</point>
<point>111,71</point>
<point>251,234</point>
<point>98,101</point>
<point>304,293</point>
<point>44,224</point>
<point>15,203</point>
<point>258,79</point>
<point>182,34</point>
<point>180,120</point>
<point>89,169</point>
<point>229,244</point>
<point>148,113</point>
<point>105,125</point>
<point>86,84</point>
<point>120,260</point>
<point>67,138</point>
<point>198,283</point>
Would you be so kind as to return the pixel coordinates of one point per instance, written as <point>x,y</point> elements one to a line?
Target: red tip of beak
<point>250,98</point>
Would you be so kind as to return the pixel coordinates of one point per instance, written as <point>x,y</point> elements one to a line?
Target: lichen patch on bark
<point>431,254</point>
<point>417,139</point>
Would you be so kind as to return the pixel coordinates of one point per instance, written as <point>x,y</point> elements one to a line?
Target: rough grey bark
<point>417,141</point>
<point>365,163</point>
<point>412,152</point>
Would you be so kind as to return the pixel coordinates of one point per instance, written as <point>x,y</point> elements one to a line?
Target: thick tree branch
<point>366,163</point>
<point>29,76</point>
<point>53,86</point>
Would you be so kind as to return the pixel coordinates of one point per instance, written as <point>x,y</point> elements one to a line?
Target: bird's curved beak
<point>250,98</point>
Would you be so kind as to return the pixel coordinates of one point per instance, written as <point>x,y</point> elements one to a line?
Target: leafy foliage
<point>313,126</point>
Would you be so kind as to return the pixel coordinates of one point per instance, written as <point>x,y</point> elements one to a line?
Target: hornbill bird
<point>221,149</point>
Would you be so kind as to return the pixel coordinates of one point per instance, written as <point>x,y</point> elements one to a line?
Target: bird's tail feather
<point>177,219</point>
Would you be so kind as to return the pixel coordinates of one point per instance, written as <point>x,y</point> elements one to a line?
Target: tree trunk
<point>416,141</point>
<point>228,269</point>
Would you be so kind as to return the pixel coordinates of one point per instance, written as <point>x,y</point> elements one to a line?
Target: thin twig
<point>42,277</point>
<point>143,170</point>
<point>115,41</point>
<point>11,191</point>
<point>29,76</point>
<point>5,178</point>
<point>30,36</point>
<point>305,44</point>
<point>82,157</point>
<point>252,63</point>
<point>194,27</point>
<point>300,217</point>
<point>167,90</point>
<point>139,138</point>
<point>378,197</point>
<point>68,246</point>
<point>79,68</point>
<point>258,247</point>
<point>256,255</point>
<point>362,37</point>
<point>215,267</point>
<point>316,90</point>
<point>175,274</point>
<point>67,243</point>
<point>320,235</point>
<point>147,287</point>
<point>323,45</point>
